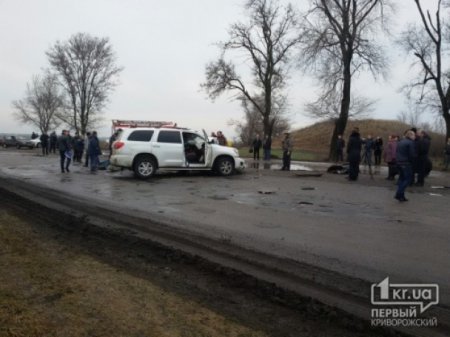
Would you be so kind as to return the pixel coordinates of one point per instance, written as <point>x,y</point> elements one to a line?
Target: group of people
<point>71,148</point>
<point>48,142</point>
<point>266,145</point>
<point>408,157</point>
<point>219,138</point>
<point>371,148</point>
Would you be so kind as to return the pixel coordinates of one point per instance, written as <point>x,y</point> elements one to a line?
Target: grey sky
<point>163,46</point>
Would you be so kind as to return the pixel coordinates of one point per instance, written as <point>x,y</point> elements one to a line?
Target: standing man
<point>286,145</point>
<point>267,146</point>
<point>354,154</point>
<point>94,151</point>
<point>78,147</point>
<point>221,138</point>
<point>65,150</point>
<point>423,148</point>
<point>44,143</point>
<point>257,143</point>
<point>378,149</point>
<point>86,148</point>
<point>406,154</point>
<point>53,141</point>
<point>340,145</point>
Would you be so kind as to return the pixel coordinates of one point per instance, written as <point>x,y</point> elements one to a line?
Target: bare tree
<point>42,104</point>
<point>87,69</point>
<point>328,106</point>
<point>339,40</point>
<point>411,115</point>
<point>252,123</point>
<point>429,43</point>
<point>267,40</point>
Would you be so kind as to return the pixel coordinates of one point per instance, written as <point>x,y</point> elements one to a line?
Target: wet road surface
<point>356,228</point>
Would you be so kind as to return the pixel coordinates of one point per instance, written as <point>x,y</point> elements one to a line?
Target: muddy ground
<point>58,280</point>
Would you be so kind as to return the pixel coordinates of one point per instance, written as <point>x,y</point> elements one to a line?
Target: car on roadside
<point>8,141</point>
<point>35,142</point>
<point>148,150</point>
<point>24,142</point>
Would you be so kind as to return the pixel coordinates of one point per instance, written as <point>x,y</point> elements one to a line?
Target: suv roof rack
<point>118,123</point>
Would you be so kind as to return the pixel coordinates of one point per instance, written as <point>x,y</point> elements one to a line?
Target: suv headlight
<point>236,152</point>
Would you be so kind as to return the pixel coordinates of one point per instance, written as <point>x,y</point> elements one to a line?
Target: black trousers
<point>377,155</point>
<point>65,162</point>
<point>286,161</point>
<point>256,153</point>
<point>421,168</point>
<point>86,159</point>
<point>353,170</point>
<point>44,149</point>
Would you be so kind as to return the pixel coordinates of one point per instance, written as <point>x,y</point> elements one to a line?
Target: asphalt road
<point>353,228</point>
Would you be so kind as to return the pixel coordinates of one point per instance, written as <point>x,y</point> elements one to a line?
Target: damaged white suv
<point>146,150</point>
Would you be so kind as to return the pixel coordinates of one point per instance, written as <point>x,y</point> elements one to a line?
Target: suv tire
<point>144,167</point>
<point>225,166</point>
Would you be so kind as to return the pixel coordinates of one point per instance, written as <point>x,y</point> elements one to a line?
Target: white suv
<point>146,150</point>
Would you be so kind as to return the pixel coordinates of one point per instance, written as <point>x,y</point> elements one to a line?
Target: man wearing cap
<point>286,145</point>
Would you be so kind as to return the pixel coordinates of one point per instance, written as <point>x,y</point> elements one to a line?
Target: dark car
<point>8,141</point>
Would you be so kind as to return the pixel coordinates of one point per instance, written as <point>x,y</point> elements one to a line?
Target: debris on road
<point>266,192</point>
<point>307,174</point>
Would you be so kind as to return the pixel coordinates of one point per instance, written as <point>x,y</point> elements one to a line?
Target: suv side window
<point>141,135</point>
<point>169,137</point>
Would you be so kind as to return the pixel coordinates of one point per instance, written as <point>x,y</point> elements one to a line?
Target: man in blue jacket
<point>405,156</point>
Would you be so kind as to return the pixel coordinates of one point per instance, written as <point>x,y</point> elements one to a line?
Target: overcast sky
<point>163,47</point>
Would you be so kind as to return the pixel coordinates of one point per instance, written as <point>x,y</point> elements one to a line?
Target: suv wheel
<point>144,167</point>
<point>225,166</point>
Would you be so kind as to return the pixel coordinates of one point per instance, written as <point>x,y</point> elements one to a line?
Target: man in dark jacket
<point>423,148</point>
<point>94,151</point>
<point>53,141</point>
<point>65,150</point>
<point>405,156</point>
<point>378,149</point>
<point>354,154</point>
<point>257,143</point>
<point>44,143</point>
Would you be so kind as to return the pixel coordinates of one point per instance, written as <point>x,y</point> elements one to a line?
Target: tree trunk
<point>341,123</point>
<point>446,115</point>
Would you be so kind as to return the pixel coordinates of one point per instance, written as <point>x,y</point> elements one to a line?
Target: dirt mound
<point>317,137</point>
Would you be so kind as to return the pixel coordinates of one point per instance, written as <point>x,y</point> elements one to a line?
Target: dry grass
<point>49,289</point>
